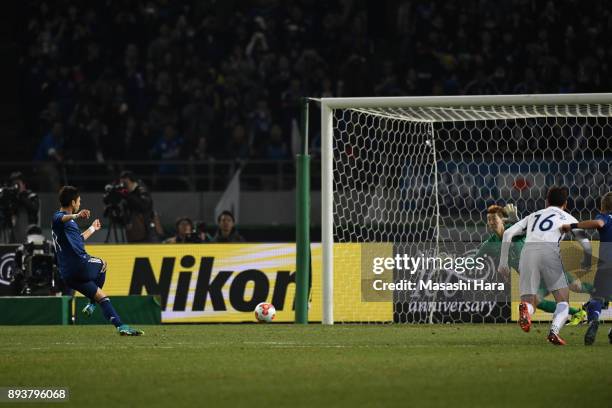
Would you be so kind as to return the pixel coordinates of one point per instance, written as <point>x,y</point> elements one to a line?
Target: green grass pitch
<point>311,366</point>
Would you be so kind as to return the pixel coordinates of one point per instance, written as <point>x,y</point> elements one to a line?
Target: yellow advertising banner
<point>224,282</point>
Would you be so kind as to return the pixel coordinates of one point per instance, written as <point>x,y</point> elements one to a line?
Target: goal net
<point>412,178</point>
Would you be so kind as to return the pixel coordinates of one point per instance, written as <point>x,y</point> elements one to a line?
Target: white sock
<point>530,309</point>
<point>560,316</point>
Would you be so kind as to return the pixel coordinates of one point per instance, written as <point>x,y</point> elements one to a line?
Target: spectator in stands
<point>167,148</point>
<point>276,147</point>
<point>49,153</point>
<point>226,231</point>
<point>238,145</point>
<point>210,70</point>
<point>260,123</point>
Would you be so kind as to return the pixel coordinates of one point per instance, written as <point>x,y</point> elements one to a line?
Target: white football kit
<point>540,257</point>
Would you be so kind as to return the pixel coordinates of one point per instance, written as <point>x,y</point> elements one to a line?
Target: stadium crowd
<point>162,79</point>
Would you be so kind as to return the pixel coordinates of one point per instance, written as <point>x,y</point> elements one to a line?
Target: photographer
<point>140,225</point>
<point>18,209</point>
<point>185,233</point>
<point>227,228</point>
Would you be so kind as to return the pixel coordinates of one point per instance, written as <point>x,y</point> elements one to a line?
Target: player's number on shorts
<point>545,224</point>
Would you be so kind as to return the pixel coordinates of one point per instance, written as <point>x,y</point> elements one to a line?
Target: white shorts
<point>540,262</point>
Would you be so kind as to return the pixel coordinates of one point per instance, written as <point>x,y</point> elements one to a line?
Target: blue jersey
<point>605,239</point>
<point>69,245</point>
<point>605,232</point>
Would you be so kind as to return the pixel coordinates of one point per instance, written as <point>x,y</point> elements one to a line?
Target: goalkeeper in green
<point>498,220</point>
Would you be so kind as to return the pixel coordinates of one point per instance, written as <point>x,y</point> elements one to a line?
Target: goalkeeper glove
<point>511,213</point>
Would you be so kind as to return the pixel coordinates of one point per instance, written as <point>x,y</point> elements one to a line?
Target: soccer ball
<point>265,312</point>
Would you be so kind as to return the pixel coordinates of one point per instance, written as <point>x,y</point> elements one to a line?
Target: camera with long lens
<point>114,200</point>
<point>35,265</point>
<point>192,238</point>
<point>114,194</point>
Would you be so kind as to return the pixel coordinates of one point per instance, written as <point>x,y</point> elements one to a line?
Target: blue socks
<point>109,312</point>
<point>99,283</point>
<point>594,307</point>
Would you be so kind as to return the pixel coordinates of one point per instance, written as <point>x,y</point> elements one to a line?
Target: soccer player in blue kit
<point>602,284</point>
<point>78,269</point>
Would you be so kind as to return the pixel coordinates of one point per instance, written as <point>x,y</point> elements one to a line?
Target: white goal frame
<point>328,105</point>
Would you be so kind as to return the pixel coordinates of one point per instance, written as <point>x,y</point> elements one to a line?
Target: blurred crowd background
<point>197,80</point>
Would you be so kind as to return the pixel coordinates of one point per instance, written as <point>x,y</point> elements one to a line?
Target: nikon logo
<point>208,287</point>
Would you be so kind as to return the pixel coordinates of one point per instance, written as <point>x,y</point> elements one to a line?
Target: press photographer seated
<point>227,228</point>
<point>185,233</point>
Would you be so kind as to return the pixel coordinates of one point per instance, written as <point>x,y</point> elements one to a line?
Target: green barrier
<point>35,310</point>
<point>131,309</point>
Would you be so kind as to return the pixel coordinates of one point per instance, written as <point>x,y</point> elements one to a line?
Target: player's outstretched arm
<point>516,229</point>
<point>81,214</point>
<point>95,226</point>
<point>577,230</point>
<point>583,240</point>
<point>588,224</point>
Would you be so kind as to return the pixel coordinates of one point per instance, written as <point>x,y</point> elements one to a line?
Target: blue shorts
<point>602,284</point>
<point>84,280</point>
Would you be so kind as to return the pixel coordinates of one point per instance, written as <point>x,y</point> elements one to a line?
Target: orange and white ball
<point>265,312</point>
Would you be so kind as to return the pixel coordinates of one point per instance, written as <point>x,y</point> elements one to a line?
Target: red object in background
<point>521,184</point>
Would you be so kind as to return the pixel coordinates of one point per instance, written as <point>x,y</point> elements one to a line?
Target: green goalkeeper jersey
<point>492,248</point>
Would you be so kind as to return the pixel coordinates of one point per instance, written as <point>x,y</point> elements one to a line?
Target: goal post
<point>302,225</point>
<point>327,223</point>
<point>400,170</point>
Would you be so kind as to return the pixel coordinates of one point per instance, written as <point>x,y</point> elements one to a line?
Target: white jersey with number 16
<point>543,225</point>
